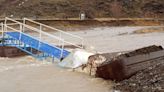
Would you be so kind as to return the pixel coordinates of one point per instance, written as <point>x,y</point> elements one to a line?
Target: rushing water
<point>7,64</point>
<point>26,74</point>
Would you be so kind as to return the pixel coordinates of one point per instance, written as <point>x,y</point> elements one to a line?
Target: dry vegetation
<point>72,8</point>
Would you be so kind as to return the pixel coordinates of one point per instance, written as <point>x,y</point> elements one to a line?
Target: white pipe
<point>11,24</point>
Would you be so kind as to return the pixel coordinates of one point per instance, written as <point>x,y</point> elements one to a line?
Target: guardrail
<point>2,26</point>
<point>17,26</point>
<point>61,33</point>
<point>21,26</point>
<point>2,29</point>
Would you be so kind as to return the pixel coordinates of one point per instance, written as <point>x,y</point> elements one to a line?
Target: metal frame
<point>6,28</point>
<point>17,42</point>
<point>60,33</point>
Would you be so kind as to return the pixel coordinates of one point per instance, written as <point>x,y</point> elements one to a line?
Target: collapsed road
<point>139,70</point>
<point>125,65</point>
<point>135,71</point>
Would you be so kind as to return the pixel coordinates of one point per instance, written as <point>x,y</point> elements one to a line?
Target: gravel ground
<point>148,80</point>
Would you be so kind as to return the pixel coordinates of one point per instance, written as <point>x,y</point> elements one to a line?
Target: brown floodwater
<point>26,74</point>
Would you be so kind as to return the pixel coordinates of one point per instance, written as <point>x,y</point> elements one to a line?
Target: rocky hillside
<point>72,8</point>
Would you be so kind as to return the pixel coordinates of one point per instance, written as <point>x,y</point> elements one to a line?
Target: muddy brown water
<point>26,74</point>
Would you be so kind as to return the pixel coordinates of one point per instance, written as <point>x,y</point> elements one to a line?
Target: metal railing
<point>2,30</point>
<point>21,26</point>
<point>2,26</point>
<point>61,33</point>
<point>11,25</point>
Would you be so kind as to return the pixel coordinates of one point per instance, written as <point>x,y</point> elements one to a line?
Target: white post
<point>62,49</point>
<point>5,26</point>
<point>24,22</point>
<point>2,30</point>
<point>5,20</point>
<point>40,36</point>
<point>20,28</point>
<point>60,39</point>
<point>20,31</point>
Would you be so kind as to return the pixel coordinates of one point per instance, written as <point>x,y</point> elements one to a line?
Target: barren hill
<point>72,8</point>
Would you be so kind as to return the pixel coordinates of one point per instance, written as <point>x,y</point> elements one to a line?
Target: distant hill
<point>72,8</point>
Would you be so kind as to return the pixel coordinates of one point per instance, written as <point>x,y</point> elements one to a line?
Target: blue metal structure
<point>15,33</point>
<point>22,41</point>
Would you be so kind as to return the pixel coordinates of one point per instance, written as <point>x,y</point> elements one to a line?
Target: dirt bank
<point>72,8</point>
<point>74,25</point>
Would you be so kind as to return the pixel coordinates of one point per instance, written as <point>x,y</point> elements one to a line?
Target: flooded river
<point>26,74</point>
